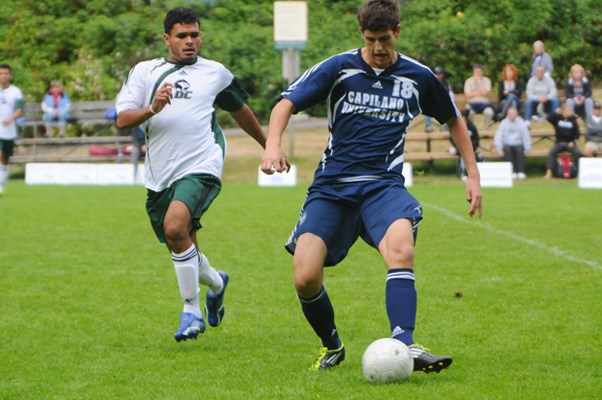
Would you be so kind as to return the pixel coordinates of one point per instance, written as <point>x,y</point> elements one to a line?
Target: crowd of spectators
<point>536,98</point>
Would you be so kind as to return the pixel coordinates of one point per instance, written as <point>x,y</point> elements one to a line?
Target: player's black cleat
<point>426,362</point>
<point>328,358</point>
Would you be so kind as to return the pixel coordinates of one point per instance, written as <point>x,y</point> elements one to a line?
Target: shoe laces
<point>419,347</point>
<point>316,365</point>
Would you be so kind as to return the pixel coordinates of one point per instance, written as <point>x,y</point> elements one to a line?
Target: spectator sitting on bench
<point>477,89</point>
<point>593,127</point>
<point>566,130</point>
<point>56,106</point>
<point>542,95</point>
<point>510,90</point>
<point>578,92</point>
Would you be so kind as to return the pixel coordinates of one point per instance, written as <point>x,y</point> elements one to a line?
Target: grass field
<point>89,301</point>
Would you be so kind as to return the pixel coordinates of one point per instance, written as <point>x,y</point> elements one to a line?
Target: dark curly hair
<point>180,15</point>
<point>378,15</point>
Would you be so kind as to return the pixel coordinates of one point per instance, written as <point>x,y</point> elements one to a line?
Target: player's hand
<point>474,196</point>
<point>162,97</point>
<point>274,160</point>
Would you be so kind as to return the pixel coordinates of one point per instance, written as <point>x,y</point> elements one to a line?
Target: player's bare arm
<point>245,118</point>
<point>129,118</point>
<point>16,115</point>
<point>459,133</point>
<point>274,159</point>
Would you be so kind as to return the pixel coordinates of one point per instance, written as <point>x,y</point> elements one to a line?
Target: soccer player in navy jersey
<point>372,94</point>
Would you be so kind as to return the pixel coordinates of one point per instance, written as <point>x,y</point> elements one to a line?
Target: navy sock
<point>320,315</point>
<point>401,304</point>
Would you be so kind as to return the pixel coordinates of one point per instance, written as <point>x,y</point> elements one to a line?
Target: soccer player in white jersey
<point>11,108</point>
<point>173,98</point>
<point>372,94</point>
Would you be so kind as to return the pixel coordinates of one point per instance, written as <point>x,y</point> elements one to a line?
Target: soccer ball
<point>387,360</point>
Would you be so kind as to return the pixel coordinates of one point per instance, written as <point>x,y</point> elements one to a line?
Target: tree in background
<point>91,44</point>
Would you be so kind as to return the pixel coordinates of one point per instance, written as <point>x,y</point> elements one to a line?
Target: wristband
<point>150,108</point>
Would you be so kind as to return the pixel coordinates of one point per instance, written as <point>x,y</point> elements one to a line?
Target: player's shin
<point>186,267</point>
<point>208,275</point>
<point>401,302</point>
<point>4,172</point>
<point>320,314</point>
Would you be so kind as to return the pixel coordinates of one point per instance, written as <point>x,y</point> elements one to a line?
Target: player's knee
<point>306,284</point>
<point>175,232</point>
<point>401,255</point>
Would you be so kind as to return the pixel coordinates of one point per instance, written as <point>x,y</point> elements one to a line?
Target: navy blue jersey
<point>368,114</point>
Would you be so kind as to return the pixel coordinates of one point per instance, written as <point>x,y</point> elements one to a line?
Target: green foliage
<point>458,34</point>
<point>91,45</point>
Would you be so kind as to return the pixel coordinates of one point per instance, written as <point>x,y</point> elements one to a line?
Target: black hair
<point>180,15</point>
<point>6,66</point>
<point>378,15</point>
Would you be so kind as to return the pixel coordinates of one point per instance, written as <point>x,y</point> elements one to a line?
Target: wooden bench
<point>87,116</point>
<point>434,146</point>
<point>71,149</point>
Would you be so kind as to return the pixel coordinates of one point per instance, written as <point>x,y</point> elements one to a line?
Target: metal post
<point>291,67</point>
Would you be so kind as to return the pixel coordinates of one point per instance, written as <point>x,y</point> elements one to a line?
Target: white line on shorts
<point>554,250</point>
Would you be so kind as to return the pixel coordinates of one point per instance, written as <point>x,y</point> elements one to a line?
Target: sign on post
<point>290,24</point>
<point>290,35</point>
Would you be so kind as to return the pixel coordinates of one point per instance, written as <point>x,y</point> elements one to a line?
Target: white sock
<point>3,174</point>
<point>186,266</point>
<point>209,276</point>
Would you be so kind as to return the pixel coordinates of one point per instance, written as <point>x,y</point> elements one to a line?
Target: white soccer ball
<point>387,360</point>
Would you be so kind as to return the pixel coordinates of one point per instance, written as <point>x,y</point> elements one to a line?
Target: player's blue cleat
<point>214,305</point>
<point>190,327</point>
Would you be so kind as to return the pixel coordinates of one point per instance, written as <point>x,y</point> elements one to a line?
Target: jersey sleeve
<point>232,98</point>
<point>313,86</point>
<point>131,96</point>
<point>436,101</point>
<point>19,100</point>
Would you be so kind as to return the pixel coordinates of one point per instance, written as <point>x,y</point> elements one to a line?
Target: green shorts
<point>7,147</point>
<point>197,191</point>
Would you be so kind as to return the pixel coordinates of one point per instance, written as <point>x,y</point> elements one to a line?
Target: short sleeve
<point>232,98</point>
<point>131,96</point>
<point>436,101</point>
<point>313,86</point>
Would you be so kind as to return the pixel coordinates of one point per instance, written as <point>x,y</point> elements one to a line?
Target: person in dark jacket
<point>475,139</point>
<point>567,133</point>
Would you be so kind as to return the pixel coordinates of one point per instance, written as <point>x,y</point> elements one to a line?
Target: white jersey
<point>184,137</point>
<point>11,98</point>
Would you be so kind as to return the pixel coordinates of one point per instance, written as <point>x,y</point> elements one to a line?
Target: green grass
<point>89,301</point>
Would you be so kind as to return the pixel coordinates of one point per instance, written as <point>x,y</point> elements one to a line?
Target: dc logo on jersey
<point>182,90</point>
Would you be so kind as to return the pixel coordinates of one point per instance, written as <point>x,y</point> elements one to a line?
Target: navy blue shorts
<point>339,213</point>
